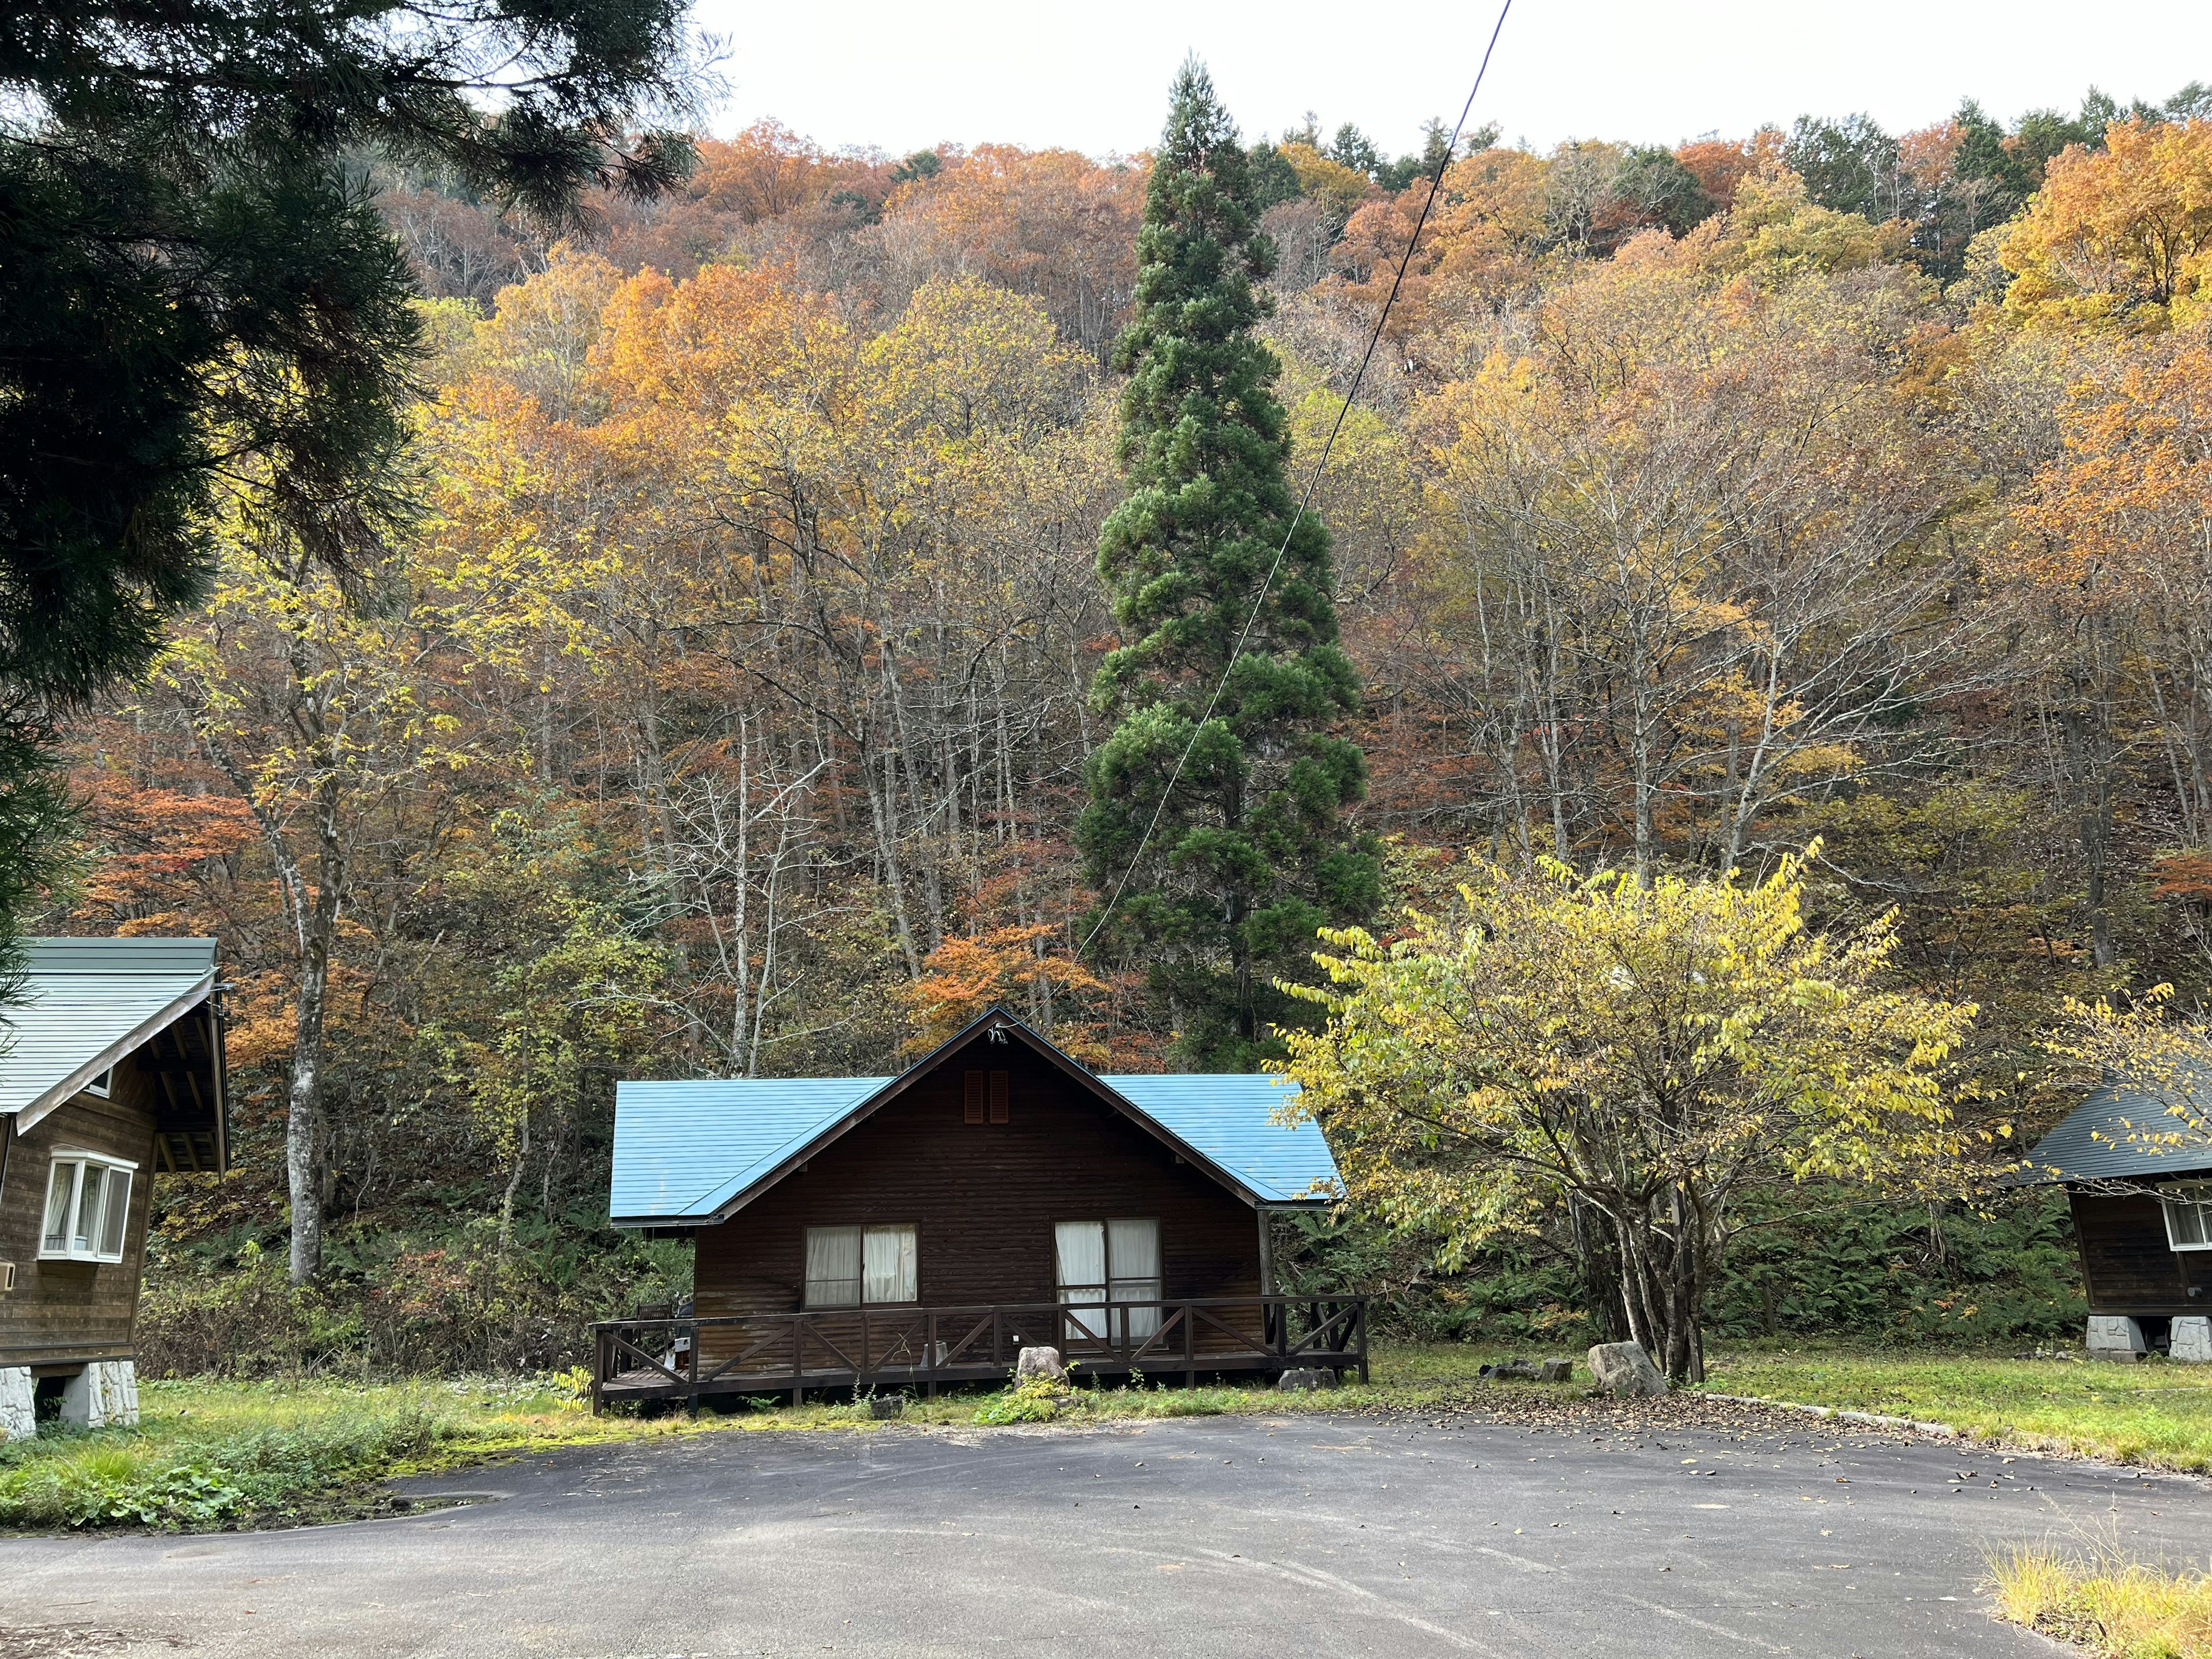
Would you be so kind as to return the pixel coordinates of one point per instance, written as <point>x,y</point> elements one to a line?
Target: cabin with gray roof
<point>2136,1164</point>
<point>916,1230</point>
<point>111,1068</point>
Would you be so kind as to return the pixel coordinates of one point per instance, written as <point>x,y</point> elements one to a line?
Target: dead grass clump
<point>2111,1607</point>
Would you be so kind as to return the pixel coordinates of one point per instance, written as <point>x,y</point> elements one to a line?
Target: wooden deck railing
<point>685,1358</point>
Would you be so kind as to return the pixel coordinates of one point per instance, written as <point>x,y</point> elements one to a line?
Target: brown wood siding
<point>983,1199</point>
<point>2129,1265</point>
<point>63,1312</point>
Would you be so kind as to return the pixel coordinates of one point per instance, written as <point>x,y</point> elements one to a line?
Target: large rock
<point>1556,1370</point>
<point>1626,1370</point>
<point>2113,1336</point>
<point>2192,1339</point>
<point>1039,1362</point>
<point>1297,1380</point>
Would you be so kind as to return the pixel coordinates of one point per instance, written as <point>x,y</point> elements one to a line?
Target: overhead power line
<point>1313,479</point>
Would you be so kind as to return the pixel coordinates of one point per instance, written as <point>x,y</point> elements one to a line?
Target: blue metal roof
<point>684,1149</point>
<point>1230,1119</point>
<point>2123,1131</point>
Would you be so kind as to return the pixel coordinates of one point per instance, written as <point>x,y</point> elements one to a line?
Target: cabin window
<point>860,1267</point>
<point>88,1208</point>
<point>2189,1215</point>
<point>1099,1263</point>
<point>103,1085</point>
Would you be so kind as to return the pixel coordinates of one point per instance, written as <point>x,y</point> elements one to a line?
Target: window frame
<point>1118,1322</point>
<point>103,1087</point>
<point>80,1159</point>
<point>860,1304</point>
<point>2195,1195</point>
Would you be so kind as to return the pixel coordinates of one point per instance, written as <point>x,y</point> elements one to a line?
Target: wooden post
<point>797,1360</point>
<point>691,1371</point>
<point>929,1352</point>
<point>1266,1251</point>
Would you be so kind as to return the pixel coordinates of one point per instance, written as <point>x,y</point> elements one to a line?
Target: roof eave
<point>28,1115</point>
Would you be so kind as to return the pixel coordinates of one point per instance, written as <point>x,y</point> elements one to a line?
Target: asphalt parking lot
<point>1224,1535</point>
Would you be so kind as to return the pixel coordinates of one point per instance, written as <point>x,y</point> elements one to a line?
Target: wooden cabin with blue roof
<point>916,1230</point>
<point>2135,1161</point>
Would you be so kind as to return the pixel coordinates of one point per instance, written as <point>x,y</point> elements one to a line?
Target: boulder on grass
<point>1295,1381</point>
<point>1556,1370</point>
<point>1510,1370</point>
<point>1039,1362</point>
<point>886,1406</point>
<point>1626,1370</point>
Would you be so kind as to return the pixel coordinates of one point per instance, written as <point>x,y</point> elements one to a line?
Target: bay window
<point>2188,1214</point>
<point>87,1208</point>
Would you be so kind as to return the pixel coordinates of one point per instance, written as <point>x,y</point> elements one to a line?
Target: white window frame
<point>103,1087</point>
<point>76,1160</point>
<point>2192,1200</point>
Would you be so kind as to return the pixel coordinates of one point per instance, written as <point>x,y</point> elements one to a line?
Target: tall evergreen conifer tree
<point>1251,855</point>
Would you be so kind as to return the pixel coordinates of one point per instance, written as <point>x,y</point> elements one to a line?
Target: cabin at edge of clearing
<point>111,1069</point>
<point>995,1172</point>
<point>2139,1180</point>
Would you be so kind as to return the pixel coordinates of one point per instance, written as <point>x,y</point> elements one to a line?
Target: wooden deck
<point>926,1349</point>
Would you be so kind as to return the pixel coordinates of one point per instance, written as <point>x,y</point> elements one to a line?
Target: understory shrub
<point>117,1477</point>
<point>450,1305</point>
<point>1820,1260</point>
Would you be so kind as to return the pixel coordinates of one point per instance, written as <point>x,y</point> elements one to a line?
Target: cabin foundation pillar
<point>105,1393</point>
<point>2114,1336</point>
<point>2192,1339</point>
<point>19,1414</point>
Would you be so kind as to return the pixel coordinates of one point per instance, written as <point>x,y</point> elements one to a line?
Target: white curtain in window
<point>1133,1255</point>
<point>887,1271</point>
<point>833,1266</point>
<point>57,1206</point>
<point>118,1213</point>
<point>83,1235</point>
<point>1080,1249</point>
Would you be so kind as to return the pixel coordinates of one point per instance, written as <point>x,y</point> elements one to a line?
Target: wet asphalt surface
<point>1224,1535</point>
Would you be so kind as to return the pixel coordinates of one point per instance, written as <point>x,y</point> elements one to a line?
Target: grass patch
<point>2110,1606</point>
<point>2157,1413</point>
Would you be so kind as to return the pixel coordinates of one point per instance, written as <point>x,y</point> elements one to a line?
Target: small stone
<point>1556,1370</point>
<point>1296,1382</point>
<point>1626,1370</point>
<point>1039,1362</point>
<point>1510,1370</point>
<point>886,1406</point>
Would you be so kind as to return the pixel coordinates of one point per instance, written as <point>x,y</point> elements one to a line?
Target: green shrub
<point>120,1478</point>
<point>1034,1399</point>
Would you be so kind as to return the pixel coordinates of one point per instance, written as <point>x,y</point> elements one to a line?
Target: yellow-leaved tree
<point>1649,1054</point>
<point>2119,237</point>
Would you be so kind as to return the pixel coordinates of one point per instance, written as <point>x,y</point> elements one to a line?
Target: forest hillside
<point>726,707</point>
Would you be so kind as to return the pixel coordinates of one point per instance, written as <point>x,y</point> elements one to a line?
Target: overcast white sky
<point>901,75</point>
